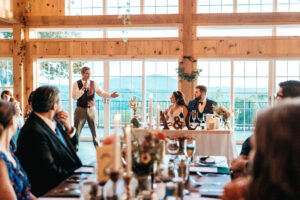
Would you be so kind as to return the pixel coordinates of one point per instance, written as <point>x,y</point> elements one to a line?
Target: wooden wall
<point>50,14</point>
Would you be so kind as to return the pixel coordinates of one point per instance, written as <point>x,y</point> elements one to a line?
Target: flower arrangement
<point>133,104</point>
<point>145,153</point>
<point>224,113</point>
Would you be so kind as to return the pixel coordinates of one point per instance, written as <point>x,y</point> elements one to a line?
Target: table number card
<point>105,161</point>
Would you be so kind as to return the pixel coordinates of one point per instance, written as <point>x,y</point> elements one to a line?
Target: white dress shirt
<point>52,124</point>
<point>76,93</point>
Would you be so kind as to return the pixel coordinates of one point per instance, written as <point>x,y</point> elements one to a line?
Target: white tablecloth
<point>209,142</point>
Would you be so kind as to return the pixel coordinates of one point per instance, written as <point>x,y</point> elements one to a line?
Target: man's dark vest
<point>88,98</point>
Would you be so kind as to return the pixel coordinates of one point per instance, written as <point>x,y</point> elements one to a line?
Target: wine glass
<point>190,149</point>
<point>173,146</point>
<point>194,116</point>
<point>200,118</point>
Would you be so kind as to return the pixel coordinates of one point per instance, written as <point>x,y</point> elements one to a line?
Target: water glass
<point>173,146</point>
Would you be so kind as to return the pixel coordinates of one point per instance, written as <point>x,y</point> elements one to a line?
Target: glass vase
<point>144,183</point>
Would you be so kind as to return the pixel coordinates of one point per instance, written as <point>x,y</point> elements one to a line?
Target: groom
<point>201,104</point>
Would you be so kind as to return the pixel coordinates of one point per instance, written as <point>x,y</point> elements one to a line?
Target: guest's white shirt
<point>76,93</point>
<point>52,124</point>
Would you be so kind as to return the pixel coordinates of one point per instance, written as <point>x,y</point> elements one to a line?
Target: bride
<point>178,106</point>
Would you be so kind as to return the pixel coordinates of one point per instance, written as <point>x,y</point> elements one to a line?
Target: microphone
<point>87,88</point>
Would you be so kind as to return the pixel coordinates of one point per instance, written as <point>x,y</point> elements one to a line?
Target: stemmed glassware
<point>194,116</point>
<point>190,149</point>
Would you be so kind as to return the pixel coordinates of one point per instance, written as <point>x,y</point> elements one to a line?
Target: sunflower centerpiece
<point>145,153</point>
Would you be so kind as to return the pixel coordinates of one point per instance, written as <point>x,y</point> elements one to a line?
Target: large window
<point>254,6</point>
<point>161,81</point>
<point>115,7</point>
<point>6,33</point>
<point>161,6</point>
<point>55,73</point>
<point>215,6</point>
<point>6,74</point>
<point>136,32</point>
<point>248,31</point>
<point>84,7</point>
<point>247,6</point>
<point>216,76</point>
<point>250,91</point>
<point>127,77</point>
<point>234,31</point>
<point>119,7</point>
<point>288,6</point>
<point>245,82</point>
<point>287,70</point>
<point>145,32</point>
<point>44,33</point>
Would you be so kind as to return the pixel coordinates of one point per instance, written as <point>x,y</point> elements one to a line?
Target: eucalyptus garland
<point>188,77</point>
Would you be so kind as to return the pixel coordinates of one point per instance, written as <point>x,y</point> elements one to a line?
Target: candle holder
<point>114,176</point>
<point>127,179</point>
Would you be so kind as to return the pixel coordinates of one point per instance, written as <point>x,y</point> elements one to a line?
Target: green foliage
<point>6,35</point>
<point>59,69</point>
<point>188,77</point>
<point>62,34</point>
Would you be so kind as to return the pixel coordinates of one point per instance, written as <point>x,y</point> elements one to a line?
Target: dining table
<point>200,184</point>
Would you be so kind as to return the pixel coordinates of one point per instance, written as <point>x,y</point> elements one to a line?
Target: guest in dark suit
<point>46,142</point>
<point>201,104</point>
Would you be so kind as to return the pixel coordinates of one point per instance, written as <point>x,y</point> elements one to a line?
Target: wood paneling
<point>104,20</point>
<point>246,19</point>
<point>47,8</point>
<point>105,48</point>
<point>18,67</point>
<point>6,49</point>
<point>247,47</point>
<point>188,31</point>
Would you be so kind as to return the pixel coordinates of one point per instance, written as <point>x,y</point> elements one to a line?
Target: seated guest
<point>46,143</point>
<point>201,104</point>
<point>178,106</point>
<point>287,89</point>
<point>28,107</point>
<point>274,171</point>
<point>20,119</point>
<point>6,95</point>
<point>14,182</point>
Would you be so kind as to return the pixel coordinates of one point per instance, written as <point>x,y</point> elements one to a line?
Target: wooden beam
<point>188,87</point>
<point>7,13</point>
<point>246,19</point>
<point>262,47</point>
<point>6,49</point>
<point>18,60</point>
<point>103,20</point>
<point>105,48</point>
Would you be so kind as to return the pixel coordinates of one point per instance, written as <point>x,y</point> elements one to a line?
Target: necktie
<point>60,136</point>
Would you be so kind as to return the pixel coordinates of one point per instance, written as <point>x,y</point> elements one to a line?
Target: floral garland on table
<point>224,113</point>
<point>192,77</point>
